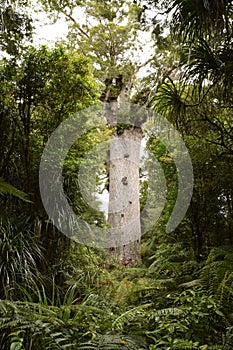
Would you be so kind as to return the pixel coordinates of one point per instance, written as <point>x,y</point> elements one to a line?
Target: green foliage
<point>114,342</point>
<point>193,19</point>
<point>216,276</point>
<point>173,260</point>
<point>112,312</point>
<point>75,186</point>
<point>16,28</point>
<point>35,98</point>
<point>196,96</point>
<point>109,33</point>
<point>43,326</point>
<point>6,188</point>
<point>181,294</point>
<point>20,254</point>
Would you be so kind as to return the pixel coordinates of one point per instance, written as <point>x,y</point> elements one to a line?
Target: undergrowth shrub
<point>20,255</point>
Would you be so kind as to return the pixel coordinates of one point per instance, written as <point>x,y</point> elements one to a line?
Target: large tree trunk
<point>124,181</point>
<point>124,204</point>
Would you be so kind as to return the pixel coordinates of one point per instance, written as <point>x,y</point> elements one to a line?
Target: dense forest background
<point>58,294</point>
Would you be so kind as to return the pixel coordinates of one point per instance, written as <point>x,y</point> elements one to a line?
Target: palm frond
<point>193,18</point>
<point>169,101</point>
<point>205,63</point>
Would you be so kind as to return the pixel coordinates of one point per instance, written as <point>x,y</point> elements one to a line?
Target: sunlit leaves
<point>15,28</point>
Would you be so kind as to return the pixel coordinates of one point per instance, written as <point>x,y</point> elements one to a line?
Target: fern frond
<point>115,342</point>
<point>165,312</point>
<point>217,275</point>
<point>129,316</point>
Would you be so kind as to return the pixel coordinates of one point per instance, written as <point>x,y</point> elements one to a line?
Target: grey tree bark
<point>124,188</point>
<point>124,191</point>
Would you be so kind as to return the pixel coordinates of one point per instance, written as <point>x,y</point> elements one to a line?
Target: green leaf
<point>6,188</point>
<point>16,346</point>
